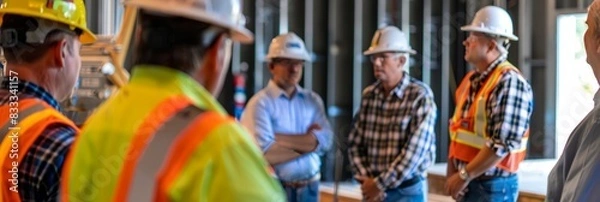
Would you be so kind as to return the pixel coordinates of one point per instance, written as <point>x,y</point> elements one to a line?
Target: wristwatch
<point>463,174</point>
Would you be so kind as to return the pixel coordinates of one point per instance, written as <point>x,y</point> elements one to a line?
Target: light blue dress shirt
<point>271,111</point>
<point>576,175</point>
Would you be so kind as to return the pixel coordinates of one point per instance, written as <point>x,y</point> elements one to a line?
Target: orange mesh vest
<point>22,122</point>
<point>468,134</point>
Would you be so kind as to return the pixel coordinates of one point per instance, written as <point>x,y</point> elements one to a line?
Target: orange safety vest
<point>469,134</point>
<point>148,172</point>
<point>22,122</point>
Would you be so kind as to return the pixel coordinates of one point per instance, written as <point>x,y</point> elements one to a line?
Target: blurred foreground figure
<point>576,175</point>
<point>164,137</point>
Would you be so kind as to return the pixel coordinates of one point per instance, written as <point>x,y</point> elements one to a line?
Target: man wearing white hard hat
<point>289,122</point>
<point>490,126</point>
<point>392,143</point>
<point>164,136</point>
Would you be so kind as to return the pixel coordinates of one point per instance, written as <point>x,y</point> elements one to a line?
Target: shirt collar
<point>274,91</point>
<point>170,81</point>
<point>31,89</point>
<point>480,76</point>
<point>398,90</point>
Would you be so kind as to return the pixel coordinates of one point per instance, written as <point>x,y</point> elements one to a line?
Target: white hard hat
<point>492,20</point>
<point>389,39</point>
<point>223,13</point>
<point>288,45</point>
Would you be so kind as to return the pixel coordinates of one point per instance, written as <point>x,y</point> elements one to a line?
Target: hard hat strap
<point>506,44</point>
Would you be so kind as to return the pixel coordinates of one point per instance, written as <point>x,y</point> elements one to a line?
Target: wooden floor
<point>532,184</point>
<point>327,196</point>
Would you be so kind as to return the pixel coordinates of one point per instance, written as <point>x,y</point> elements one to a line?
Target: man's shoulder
<point>514,75</point>
<point>260,97</point>
<point>420,87</point>
<point>313,96</point>
<point>369,90</point>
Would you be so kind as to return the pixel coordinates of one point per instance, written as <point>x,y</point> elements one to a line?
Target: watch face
<point>463,174</point>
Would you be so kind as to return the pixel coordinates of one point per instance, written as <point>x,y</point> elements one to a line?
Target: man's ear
<point>402,59</point>
<point>212,59</point>
<point>492,45</point>
<point>271,66</point>
<point>60,50</point>
<point>215,65</point>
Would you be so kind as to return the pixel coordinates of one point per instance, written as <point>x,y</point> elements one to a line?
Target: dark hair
<point>14,35</point>
<point>174,42</point>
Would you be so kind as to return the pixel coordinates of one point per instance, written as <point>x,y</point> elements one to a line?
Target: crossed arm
<point>290,146</point>
<point>280,148</point>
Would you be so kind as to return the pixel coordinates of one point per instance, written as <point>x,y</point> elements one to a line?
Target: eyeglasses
<point>382,57</point>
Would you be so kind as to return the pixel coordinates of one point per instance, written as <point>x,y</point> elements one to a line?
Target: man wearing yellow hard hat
<point>41,41</point>
<point>164,136</point>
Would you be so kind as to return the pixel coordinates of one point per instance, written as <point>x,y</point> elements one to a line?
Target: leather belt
<point>301,183</point>
<point>410,182</point>
<point>491,177</point>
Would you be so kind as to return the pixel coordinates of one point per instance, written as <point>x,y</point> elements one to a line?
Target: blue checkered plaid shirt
<point>39,171</point>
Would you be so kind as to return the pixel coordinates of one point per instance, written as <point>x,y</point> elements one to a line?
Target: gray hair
<point>406,62</point>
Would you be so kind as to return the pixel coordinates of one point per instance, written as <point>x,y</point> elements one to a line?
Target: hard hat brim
<point>375,51</point>
<point>238,33</point>
<point>87,37</point>
<point>305,58</point>
<point>470,28</point>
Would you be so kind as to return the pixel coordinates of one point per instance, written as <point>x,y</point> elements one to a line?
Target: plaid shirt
<point>509,108</point>
<point>39,171</point>
<point>393,138</point>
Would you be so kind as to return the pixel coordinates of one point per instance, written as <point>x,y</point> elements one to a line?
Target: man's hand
<point>313,128</point>
<point>456,187</point>
<point>370,190</point>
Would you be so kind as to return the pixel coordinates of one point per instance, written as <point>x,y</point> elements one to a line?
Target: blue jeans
<point>501,189</point>
<point>308,193</point>
<point>412,193</point>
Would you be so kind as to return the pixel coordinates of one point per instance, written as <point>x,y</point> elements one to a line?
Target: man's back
<point>224,166</point>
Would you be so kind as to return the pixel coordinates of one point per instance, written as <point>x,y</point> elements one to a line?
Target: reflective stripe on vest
<point>155,154</point>
<point>186,145</point>
<point>473,140</point>
<point>469,134</point>
<point>33,117</point>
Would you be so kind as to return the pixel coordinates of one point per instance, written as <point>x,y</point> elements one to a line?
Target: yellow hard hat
<point>69,12</point>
